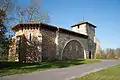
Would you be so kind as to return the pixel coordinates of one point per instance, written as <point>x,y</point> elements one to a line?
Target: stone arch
<point>73,49</point>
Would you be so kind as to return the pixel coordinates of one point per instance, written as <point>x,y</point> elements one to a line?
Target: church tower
<point>88,29</point>
<point>85,28</point>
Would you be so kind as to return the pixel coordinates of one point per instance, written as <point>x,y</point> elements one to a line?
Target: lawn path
<point>63,73</point>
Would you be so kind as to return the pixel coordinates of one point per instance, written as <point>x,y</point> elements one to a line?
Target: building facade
<point>36,42</point>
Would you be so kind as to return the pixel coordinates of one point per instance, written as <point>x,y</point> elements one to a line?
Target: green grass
<point>9,68</point>
<point>112,73</point>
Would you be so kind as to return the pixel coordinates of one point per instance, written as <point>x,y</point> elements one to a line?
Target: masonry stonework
<point>36,42</point>
<point>48,44</point>
<point>64,39</point>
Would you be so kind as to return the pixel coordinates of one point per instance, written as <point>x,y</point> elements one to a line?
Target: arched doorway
<point>73,50</point>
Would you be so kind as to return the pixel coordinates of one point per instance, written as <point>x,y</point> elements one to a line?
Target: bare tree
<point>5,6</point>
<point>31,13</point>
<point>109,53</point>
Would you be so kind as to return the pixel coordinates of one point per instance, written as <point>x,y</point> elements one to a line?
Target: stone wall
<point>91,32</point>
<point>71,43</point>
<point>91,40</point>
<point>82,29</point>
<point>12,50</point>
<point>28,50</point>
<point>72,50</point>
<point>92,47</point>
<point>48,44</point>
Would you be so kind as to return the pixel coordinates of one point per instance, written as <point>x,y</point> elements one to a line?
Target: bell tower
<point>88,29</point>
<point>85,28</point>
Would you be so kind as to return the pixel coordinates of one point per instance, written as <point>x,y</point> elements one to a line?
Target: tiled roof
<point>83,22</point>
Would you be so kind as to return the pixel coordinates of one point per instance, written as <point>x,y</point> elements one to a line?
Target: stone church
<point>36,42</point>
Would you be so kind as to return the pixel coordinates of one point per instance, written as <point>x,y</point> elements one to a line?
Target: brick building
<point>35,41</point>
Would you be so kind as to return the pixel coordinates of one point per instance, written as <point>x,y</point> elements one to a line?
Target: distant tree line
<point>108,53</point>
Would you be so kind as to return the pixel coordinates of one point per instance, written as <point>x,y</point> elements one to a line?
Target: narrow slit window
<point>29,37</point>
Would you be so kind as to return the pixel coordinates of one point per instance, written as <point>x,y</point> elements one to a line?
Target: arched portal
<point>73,50</point>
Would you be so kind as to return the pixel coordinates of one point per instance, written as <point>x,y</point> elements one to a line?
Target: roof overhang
<point>29,24</point>
<point>83,22</point>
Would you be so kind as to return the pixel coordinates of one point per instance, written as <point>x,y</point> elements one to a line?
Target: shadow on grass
<point>8,68</point>
<point>48,64</point>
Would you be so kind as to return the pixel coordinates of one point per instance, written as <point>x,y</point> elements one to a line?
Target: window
<point>29,37</point>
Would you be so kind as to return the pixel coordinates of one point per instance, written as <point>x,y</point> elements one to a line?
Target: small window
<point>29,37</point>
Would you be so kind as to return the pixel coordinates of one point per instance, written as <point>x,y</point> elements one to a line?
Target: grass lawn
<point>112,73</point>
<point>9,68</point>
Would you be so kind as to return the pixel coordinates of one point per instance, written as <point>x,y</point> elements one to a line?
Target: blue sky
<point>105,14</point>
